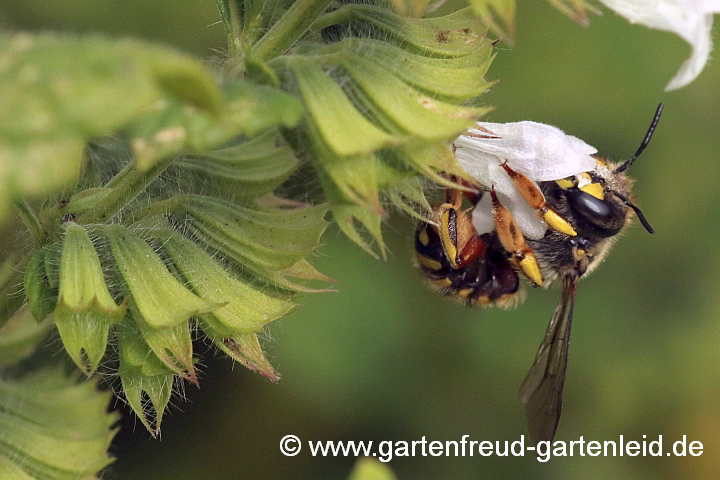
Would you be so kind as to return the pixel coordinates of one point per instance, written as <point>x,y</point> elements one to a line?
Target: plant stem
<point>126,185</point>
<point>339,16</point>
<point>160,207</point>
<point>290,27</point>
<point>31,221</point>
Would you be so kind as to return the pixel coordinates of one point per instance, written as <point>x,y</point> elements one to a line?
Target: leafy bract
<point>59,91</point>
<point>53,427</point>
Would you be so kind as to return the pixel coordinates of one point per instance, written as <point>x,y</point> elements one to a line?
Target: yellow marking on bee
<point>535,198</point>
<point>423,237</point>
<point>594,189</point>
<point>564,183</point>
<point>558,223</point>
<point>531,269</point>
<point>578,254</point>
<point>448,245</point>
<point>465,292</point>
<point>429,263</point>
<point>444,282</point>
<point>484,300</point>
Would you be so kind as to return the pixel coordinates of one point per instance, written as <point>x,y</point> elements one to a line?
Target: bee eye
<point>598,216</point>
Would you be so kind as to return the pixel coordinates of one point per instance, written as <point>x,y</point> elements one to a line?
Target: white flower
<point>690,19</point>
<point>541,152</point>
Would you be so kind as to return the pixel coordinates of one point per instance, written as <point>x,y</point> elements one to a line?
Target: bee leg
<point>473,249</point>
<point>454,196</point>
<point>460,241</point>
<point>513,241</point>
<point>535,198</point>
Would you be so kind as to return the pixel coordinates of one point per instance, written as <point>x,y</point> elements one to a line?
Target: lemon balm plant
<point>157,195</point>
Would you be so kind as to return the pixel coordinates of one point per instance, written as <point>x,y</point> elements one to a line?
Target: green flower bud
<point>85,309</point>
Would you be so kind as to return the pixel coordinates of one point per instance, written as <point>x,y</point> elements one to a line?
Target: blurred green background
<point>386,359</point>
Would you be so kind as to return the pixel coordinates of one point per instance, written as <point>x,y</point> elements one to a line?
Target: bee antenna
<point>645,141</point>
<point>637,211</point>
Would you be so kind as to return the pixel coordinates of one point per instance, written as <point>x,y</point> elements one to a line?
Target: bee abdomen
<point>489,280</point>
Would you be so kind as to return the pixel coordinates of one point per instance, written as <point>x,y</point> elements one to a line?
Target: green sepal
<point>498,15</point>
<point>459,33</point>
<point>82,282</point>
<point>265,241</point>
<point>171,345</point>
<point>356,178</point>
<point>142,374</point>
<point>53,427</point>
<point>40,296</point>
<point>161,300</point>
<point>249,169</point>
<point>409,196</point>
<point>244,348</point>
<point>409,111</point>
<point>84,336</point>
<point>577,10</point>
<point>85,309</point>
<point>453,78</point>
<point>246,310</point>
<point>346,214</point>
<point>337,122</point>
<point>433,160</point>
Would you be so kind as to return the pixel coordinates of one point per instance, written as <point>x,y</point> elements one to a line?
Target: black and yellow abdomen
<point>488,280</point>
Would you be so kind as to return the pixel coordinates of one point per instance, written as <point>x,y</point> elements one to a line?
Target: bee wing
<point>542,389</point>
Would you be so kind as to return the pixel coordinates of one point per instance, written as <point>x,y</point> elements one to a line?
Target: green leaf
<point>53,427</point>
<point>20,336</point>
<point>371,469</point>
<point>59,91</point>
<point>177,126</point>
<point>160,298</point>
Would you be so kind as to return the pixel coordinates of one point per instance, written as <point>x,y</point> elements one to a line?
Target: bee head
<point>602,211</point>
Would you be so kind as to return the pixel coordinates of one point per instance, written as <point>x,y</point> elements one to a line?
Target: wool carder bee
<point>542,205</point>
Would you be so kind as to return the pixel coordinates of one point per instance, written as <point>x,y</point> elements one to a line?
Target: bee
<point>475,254</point>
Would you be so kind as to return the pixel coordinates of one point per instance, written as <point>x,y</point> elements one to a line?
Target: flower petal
<point>690,19</point>
<point>542,152</point>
